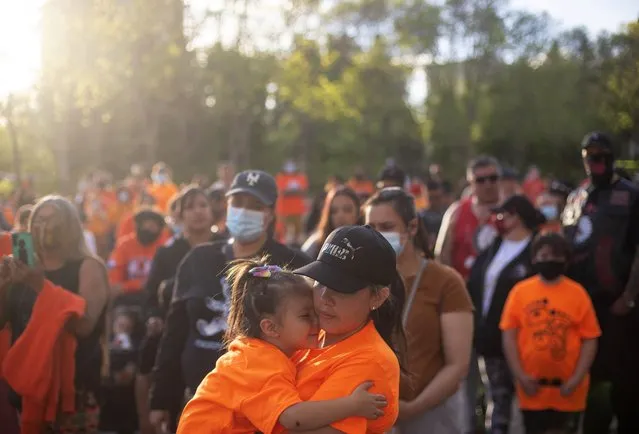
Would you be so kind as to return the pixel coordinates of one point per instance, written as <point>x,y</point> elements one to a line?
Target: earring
<point>374,307</point>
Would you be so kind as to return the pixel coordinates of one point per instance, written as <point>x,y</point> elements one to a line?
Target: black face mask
<point>146,237</point>
<point>549,270</point>
<point>601,175</point>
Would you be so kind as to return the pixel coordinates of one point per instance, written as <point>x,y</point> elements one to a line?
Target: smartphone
<point>23,247</point>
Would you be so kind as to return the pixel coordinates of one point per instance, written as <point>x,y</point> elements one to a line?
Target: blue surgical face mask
<point>177,229</point>
<point>160,178</point>
<point>550,212</point>
<point>395,240</point>
<point>244,225</point>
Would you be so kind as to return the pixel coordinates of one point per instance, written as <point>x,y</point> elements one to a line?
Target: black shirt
<point>164,266</point>
<point>88,353</point>
<point>196,321</point>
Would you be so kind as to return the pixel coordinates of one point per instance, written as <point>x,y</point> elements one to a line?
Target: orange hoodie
<point>40,366</point>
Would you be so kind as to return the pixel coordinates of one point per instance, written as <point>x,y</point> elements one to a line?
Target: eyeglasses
<point>550,382</point>
<point>489,178</point>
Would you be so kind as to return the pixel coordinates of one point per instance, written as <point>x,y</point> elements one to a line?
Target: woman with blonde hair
<point>65,270</point>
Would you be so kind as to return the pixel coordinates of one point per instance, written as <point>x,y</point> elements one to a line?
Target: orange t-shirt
<point>362,188</point>
<point>163,193</point>
<point>551,227</point>
<point>291,205</point>
<point>552,321</point>
<point>97,210</point>
<point>336,370</point>
<point>130,262</point>
<point>250,387</point>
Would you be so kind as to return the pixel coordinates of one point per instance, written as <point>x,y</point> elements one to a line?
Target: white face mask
<point>395,240</point>
<point>290,167</point>
<point>244,225</point>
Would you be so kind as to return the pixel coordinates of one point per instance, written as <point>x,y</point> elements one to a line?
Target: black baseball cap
<point>256,183</point>
<point>352,258</point>
<point>148,214</point>
<point>522,207</point>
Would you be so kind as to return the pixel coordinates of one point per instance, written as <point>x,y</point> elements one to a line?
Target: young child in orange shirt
<point>252,387</point>
<point>549,333</point>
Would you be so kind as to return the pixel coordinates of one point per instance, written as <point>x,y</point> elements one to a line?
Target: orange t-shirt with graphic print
<point>336,370</point>
<point>250,387</point>
<point>130,262</point>
<point>552,321</point>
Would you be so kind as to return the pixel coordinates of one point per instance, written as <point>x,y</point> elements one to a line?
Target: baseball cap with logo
<point>352,258</point>
<point>256,183</point>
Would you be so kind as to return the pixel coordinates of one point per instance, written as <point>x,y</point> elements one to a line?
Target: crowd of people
<point>405,304</point>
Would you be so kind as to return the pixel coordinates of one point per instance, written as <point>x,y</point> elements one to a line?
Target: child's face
<point>122,324</point>
<point>298,325</point>
<point>545,254</point>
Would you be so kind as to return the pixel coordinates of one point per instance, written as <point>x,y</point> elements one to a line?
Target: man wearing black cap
<point>196,322</point>
<point>601,221</point>
<point>391,176</point>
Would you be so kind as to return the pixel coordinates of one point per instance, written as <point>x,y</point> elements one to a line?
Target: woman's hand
<point>367,404</point>
<point>33,277</point>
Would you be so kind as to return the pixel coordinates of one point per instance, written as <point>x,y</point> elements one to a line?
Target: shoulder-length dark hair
<point>325,226</point>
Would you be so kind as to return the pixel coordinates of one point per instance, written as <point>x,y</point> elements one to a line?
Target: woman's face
<point>383,218</point>
<point>507,222</point>
<point>45,228</point>
<point>196,215</point>
<point>343,211</point>
<point>342,314</point>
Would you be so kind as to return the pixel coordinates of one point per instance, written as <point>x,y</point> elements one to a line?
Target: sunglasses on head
<point>550,382</point>
<point>489,178</point>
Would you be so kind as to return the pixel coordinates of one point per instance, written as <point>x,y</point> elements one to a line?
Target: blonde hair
<point>73,245</point>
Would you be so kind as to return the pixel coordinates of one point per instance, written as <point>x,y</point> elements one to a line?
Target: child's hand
<point>529,385</point>
<point>366,404</point>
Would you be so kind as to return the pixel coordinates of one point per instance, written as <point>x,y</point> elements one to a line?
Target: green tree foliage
<point>324,82</point>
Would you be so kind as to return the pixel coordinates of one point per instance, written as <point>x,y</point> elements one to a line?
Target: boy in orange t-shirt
<point>550,333</point>
<point>252,387</point>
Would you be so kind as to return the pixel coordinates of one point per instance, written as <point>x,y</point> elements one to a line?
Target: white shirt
<point>89,239</point>
<point>508,250</point>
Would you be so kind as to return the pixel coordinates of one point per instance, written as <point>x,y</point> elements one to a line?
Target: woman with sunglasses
<point>437,318</point>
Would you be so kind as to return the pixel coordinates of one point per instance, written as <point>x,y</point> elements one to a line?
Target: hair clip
<point>265,271</point>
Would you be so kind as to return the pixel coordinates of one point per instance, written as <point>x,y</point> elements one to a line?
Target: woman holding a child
<point>358,298</point>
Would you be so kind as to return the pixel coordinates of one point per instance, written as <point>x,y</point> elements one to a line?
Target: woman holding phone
<point>62,259</point>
